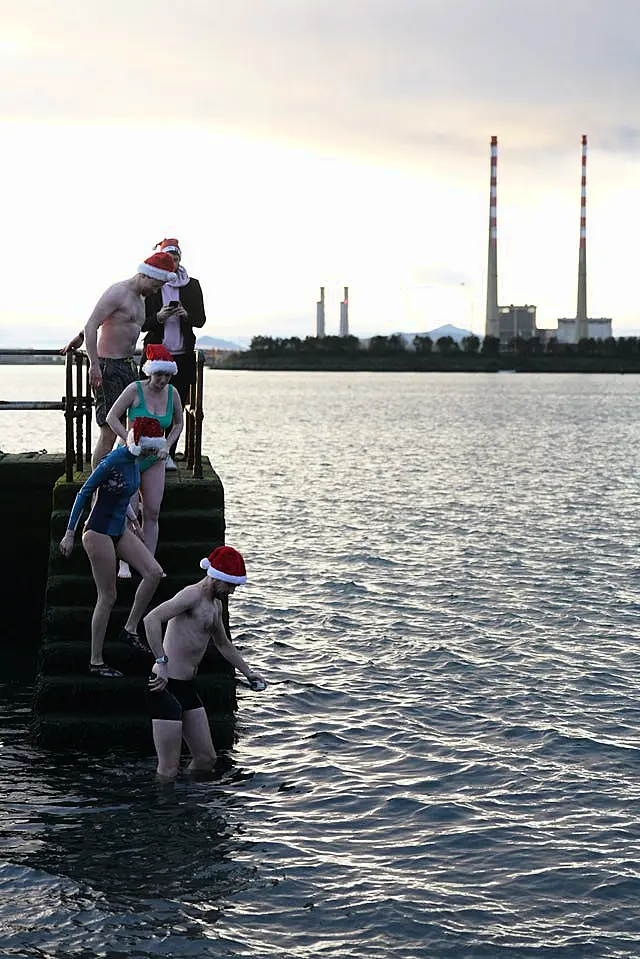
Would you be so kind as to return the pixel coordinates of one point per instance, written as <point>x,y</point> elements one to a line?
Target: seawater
<point>443,592</point>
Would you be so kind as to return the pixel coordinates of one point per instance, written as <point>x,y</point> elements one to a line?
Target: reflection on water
<point>443,592</point>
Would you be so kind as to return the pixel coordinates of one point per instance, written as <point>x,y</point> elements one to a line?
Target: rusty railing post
<point>77,412</point>
<point>199,416</point>
<point>188,427</point>
<point>68,418</point>
<point>87,403</point>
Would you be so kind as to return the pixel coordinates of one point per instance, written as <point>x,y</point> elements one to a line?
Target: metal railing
<point>77,405</point>
<point>194,415</point>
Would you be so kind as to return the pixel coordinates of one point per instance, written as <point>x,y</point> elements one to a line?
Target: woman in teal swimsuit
<point>154,397</point>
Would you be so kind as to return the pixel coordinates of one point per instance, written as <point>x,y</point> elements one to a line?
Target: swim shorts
<point>178,697</point>
<point>116,376</point>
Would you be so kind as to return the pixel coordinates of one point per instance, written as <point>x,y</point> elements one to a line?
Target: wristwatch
<point>162,660</point>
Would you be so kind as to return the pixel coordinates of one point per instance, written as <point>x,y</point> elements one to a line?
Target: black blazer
<point>191,299</point>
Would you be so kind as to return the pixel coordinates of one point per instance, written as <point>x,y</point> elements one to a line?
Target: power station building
<point>516,321</point>
<point>596,329</point>
<point>509,322</point>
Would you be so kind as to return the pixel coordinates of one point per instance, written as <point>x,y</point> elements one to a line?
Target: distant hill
<point>213,343</point>
<point>455,332</point>
<point>448,330</point>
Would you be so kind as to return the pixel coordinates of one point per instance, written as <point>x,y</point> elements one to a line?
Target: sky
<point>293,144</point>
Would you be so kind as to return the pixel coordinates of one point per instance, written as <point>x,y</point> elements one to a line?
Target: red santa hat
<point>159,360</point>
<point>158,266</point>
<point>146,431</point>
<point>227,564</point>
<point>169,245</point>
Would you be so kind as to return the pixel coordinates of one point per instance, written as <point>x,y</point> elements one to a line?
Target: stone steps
<point>181,557</point>
<point>127,733</point>
<point>176,525</point>
<point>75,710</point>
<point>73,590</point>
<point>91,694</point>
<point>71,656</point>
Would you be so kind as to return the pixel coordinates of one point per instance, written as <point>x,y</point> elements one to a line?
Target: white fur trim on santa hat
<point>156,274</point>
<point>218,574</point>
<point>160,366</point>
<point>157,442</point>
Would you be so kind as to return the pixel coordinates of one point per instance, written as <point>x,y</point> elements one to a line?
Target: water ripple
<point>443,591</point>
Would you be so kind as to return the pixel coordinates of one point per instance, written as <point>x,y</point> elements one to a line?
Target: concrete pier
<point>49,603</point>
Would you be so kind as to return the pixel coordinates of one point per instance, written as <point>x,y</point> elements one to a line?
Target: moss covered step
<point>175,558</point>
<point>28,471</point>
<point>70,590</point>
<point>71,656</point>
<point>73,623</point>
<point>188,525</point>
<point>125,734</point>
<point>95,696</point>
<point>181,491</point>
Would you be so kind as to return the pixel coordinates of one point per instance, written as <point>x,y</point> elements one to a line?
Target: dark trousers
<point>182,381</point>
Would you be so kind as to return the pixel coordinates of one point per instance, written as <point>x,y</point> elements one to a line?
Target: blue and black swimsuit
<point>116,479</point>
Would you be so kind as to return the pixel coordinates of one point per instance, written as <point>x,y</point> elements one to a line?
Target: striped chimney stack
<point>582,322</point>
<point>492,325</point>
<point>344,313</point>
<point>320,328</point>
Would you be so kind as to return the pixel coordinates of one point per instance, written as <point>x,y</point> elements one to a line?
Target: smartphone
<point>174,304</point>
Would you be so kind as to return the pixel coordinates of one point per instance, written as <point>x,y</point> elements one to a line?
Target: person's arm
<point>178,419</point>
<point>154,314</point>
<point>119,408</point>
<point>84,494</point>
<point>73,344</point>
<point>196,315</point>
<point>226,648</point>
<point>106,305</point>
<point>153,623</point>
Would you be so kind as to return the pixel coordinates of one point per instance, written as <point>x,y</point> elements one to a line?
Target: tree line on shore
<point>265,348</point>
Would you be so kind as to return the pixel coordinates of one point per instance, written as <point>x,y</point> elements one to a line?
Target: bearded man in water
<point>193,618</point>
<point>110,337</point>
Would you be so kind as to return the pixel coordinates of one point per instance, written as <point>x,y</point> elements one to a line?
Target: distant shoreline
<point>407,363</point>
<point>456,363</point>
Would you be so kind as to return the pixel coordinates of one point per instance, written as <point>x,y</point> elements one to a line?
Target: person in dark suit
<point>171,315</point>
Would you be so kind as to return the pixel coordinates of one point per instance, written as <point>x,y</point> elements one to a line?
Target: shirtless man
<point>193,617</point>
<point>110,338</point>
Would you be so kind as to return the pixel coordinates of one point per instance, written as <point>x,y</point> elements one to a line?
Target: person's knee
<point>150,514</point>
<point>107,597</point>
<point>155,573</point>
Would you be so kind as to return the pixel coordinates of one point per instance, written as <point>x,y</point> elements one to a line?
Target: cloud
<point>414,79</point>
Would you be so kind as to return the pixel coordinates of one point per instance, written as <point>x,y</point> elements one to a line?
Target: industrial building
<point>599,329</point>
<point>509,322</point>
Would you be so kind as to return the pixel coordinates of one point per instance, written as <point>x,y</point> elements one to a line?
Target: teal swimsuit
<point>140,409</point>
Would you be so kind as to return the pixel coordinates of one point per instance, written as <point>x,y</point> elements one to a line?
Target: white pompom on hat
<point>159,360</point>
<point>146,431</point>
<point>225,563</point>
<point>159,266</point>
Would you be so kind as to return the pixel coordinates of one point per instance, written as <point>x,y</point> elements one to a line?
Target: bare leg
<point>197,735</point>
<point>102,556</point>
<point>167,738</point>
<point>104,445</point>
<point>133,551</point>
<point>152,488</point>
